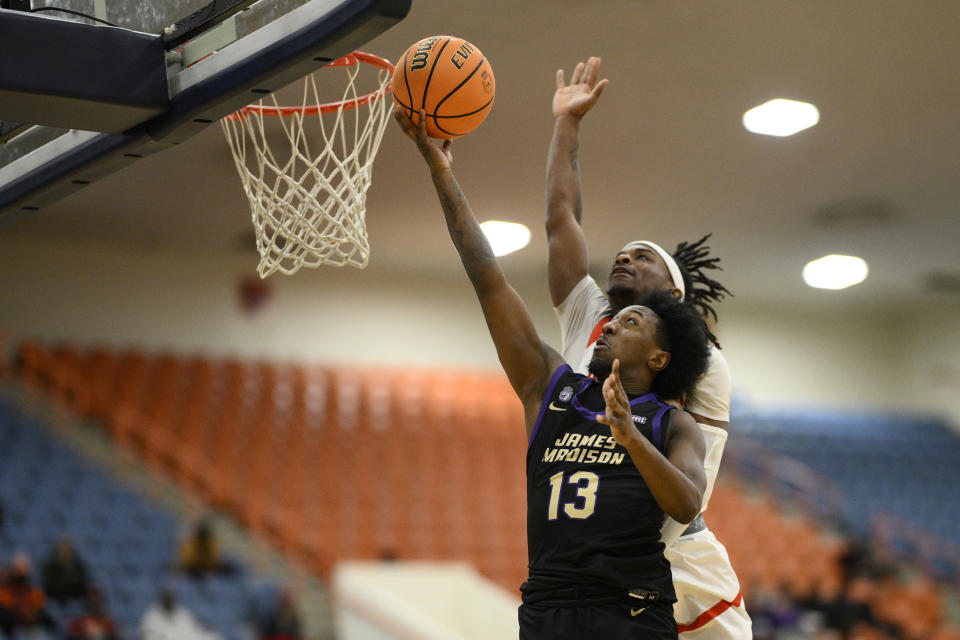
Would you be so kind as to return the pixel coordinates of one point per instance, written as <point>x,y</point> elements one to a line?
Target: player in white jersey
<point>710,604</point>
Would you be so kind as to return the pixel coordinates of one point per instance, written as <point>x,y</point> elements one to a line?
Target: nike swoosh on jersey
<point>636,612</point>
<point>554,407</point>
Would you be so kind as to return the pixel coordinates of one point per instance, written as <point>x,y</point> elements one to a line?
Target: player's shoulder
<point>717,363</point>
<point>588,285</point>
<point>567,383</point>
<point>563,374</point>
<point>577,380</point>
<point>680,422</point>
<point>681,417</point>
<point>585,292</point>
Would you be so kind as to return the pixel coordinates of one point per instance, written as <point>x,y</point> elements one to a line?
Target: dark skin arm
<point>567,258</point>
<point>526,360</point>
<point>675,477</point>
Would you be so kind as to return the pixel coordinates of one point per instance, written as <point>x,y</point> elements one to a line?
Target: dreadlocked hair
<point>694,258</point>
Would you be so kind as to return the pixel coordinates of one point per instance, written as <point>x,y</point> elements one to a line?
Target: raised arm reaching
<point>567,259</point>
<point>527,361</point>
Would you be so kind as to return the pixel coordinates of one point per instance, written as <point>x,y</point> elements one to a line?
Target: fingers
<point>577,73</point>
<point>613,393</point>
<point>610,395</point>
<point>614,376</point>
<point>415,131</point>
<point>614,411</point>
<point>405,123</point>
<point>618,413</point>
<point>613,399</point>
<point>418,133</point>
<point>583,73</point>
<point>590,71</point>
<point>422,127</point>
<point>598,89</point>
<point>586,73</point>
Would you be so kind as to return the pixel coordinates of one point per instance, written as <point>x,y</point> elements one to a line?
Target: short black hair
<point>683,333</point>
<point>694,258</point>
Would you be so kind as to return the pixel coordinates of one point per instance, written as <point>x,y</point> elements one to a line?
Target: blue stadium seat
<point>903,465</point>
<point>127,542</point>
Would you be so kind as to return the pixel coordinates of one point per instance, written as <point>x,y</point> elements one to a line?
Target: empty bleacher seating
<point>332,463</point>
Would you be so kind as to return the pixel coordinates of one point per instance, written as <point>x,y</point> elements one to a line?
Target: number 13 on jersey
<point>586,483</point>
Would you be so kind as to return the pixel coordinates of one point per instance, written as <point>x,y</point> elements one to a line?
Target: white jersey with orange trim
<point>709,602</point>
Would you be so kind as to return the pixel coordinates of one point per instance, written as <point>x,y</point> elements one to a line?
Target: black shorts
<point>614,621</point>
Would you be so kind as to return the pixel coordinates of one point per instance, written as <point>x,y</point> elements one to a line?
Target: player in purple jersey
<point>594,507</point>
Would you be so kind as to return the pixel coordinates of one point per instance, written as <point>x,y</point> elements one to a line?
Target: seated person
<point>95,623</point>
<point>65,575</point>
<point>200,554</point>
<point>22,604</point>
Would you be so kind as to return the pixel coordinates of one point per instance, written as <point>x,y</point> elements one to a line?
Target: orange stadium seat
<point>64,375</point>
<point>96,395</point>
<point>364,463</point>
<point>33,363</point>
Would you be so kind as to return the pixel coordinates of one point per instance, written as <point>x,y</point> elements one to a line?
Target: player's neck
<point>635,384</point>
<point>617,304</point>
<point>620,299</point>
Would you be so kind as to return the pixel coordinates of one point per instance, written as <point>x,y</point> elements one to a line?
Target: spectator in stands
<point>820,598</point>
<point>65,574</point>
<point>851,608</point>
<point>774,613</point>
<point>95,623</point>
<point>856,560</point>
<point>21,602</point>
<point>200,553</point>
<point>284,623</point>
<point>167,619</point>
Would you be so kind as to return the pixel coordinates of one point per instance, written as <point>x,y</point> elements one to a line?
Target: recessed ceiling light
<point>505,237</point>
<point>781,117</point>
<point>835,272</point>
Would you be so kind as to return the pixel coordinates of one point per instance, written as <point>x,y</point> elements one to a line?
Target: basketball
<point>450,79</point>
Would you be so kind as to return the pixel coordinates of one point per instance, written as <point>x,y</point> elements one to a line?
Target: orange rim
<point>346,61</point>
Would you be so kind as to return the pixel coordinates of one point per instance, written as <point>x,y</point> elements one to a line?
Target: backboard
<point>81,97</point>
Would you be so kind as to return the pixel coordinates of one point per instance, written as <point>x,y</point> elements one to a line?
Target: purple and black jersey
<point>591,519</point>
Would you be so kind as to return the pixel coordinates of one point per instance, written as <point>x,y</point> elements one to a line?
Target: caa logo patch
<point>640,419</point>
<point>566,394</point>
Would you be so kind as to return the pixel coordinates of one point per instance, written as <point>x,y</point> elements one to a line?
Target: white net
<point>306,170</point>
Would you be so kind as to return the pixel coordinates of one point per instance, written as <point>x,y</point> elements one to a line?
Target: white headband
<point>668,260</point>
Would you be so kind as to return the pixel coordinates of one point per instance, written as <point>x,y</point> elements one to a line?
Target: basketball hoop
<point>309,209</point>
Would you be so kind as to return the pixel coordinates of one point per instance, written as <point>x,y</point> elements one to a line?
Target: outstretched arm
<point>676,477</point>
<point>567,260</point>
<point>527,361</point>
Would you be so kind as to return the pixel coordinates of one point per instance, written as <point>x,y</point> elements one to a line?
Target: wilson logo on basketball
<point>422,54</point>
